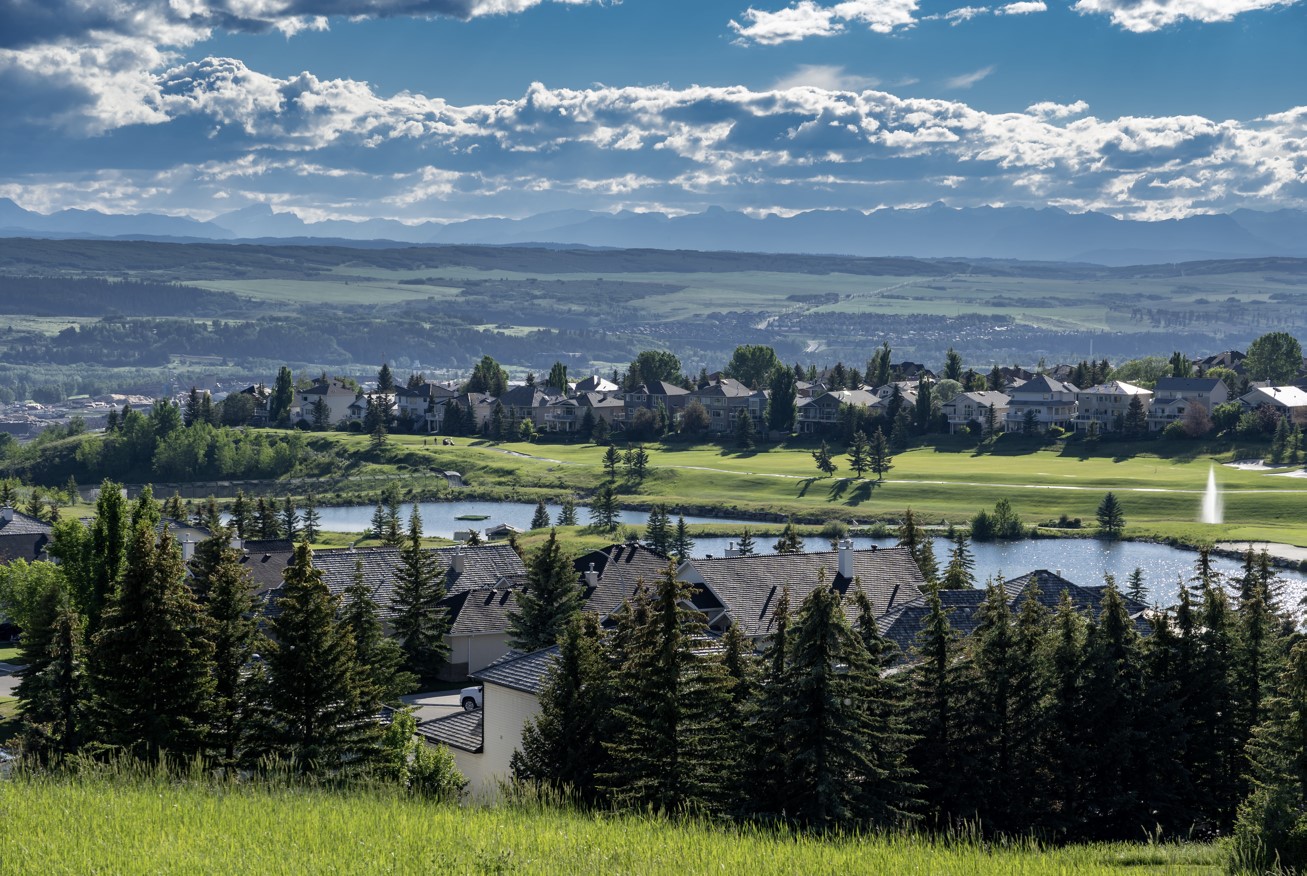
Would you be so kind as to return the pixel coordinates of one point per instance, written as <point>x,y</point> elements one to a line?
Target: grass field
<point>8,654</point>
<point>1160,496</point>
<point>126,827</point>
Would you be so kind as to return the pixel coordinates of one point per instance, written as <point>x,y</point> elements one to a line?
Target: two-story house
<point>1104,407</point>
<point>1052,402</point>
<point>974,407</point>
<point>821,413</point>
<point>326,391</point>
<point>725,398</point>
<point>418,405</point>
<point>1173,396</point>
<point>1288,400</point>
<point>648,395</point>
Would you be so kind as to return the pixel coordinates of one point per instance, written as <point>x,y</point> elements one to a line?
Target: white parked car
<point>470,697</point>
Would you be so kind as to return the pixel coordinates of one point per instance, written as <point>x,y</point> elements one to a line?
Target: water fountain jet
<point>1212,511</point>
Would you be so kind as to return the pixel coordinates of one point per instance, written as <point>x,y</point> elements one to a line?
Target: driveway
<point>8,681</point>
<point>427,706</point>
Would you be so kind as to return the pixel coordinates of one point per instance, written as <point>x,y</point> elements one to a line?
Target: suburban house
<point>594,383</point>
<point>1172,396</point>
<point>1104,407</point>
<point>609,576</point>
<point>1288,400</point>
<point>22,537</point>
<point>478,626</point>
<point>647,395</point>
<point>567,414</point>
<point>725,398</point>
<point>419,404</point>
<point>821,413</point>
<point>1052,402</point>
<point>526,403</point>
<point>974,407</point>
<point>334,394</point>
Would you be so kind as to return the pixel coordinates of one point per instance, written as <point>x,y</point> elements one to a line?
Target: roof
<point>1116,387</point>
<point>327,387</point>
<point>524,672</point>
<point>480,612</point>
<point>1284,396</point>
<point>524,397</point>
<point>425,390</point>
<point>1042,384</point>
<point>904,625</point>
<point>461,730</point>
<point>985,398</point>
<point>660,387</point>
<point>859,397</point>
<point>728,387</point>
<point>21,524</point>
<point>595,383</point>
<point>619,567</point>
<point>1186,384</point>
<point>748,587</point>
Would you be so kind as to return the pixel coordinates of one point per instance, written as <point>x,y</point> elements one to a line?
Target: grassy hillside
<point>1160,495</point>
<point>148,827</point>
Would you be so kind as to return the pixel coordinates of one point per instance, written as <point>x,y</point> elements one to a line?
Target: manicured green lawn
<point>128,827</point>
<point>8,654</point>
<point>1160,496</point>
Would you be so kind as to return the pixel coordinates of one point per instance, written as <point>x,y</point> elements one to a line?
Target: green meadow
<point>128,826</point>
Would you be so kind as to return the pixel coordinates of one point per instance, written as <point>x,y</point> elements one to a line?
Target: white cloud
<point>966,80</point>
<point>1023,7</point>
<point>807,19</point>
<point>1050,110</point>
<point>965,13</point>
<point>1143,16</point>
<point>828,77</point>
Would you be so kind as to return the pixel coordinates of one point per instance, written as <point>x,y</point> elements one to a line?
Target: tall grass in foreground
<point>131,824</point>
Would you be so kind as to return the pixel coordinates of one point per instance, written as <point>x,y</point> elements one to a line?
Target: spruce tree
<point>746,545</point>
<point>682,543</point>
<point>316,715</point>
<point>745,433</point>
<point>52,686</point>
<point>994,650</point>
<point>881,459</point>
<point>859,454</point>
<point>1063,742</point>
<point>108,557</point>
<point>1218,744</point>
<point>379,657</point>
<point>790,541</point>
<point>241,516</point>
<point>665,754</point>
<point>1163,774</point>
<point>611,459</point>
<point>657,531</point>
<point>1111,520</point>
<point>312,520</point>
<point>378,522</point>
<point>265,516</point>
<point>603,513</point>
<point>394,534</point>
<point>741,665</point>
<point>567,514</point>
<point>150,663</point>
<point>767,776</point>
<point>419,621</point>
<point>548,601</point>
<point>563,746</point>
<point>1257,655</point>
<point>959,574</point>
<point>1137,587</point>
<point>540,519</point>
<point>825,463</point>
<point>1027,781</point>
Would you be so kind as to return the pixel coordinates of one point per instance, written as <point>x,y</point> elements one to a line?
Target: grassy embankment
<point>1160,495</point>
<point>133,826</point>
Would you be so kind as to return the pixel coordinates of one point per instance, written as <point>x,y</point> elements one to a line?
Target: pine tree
<point>959,574</point>
<point>265,520</point>
<point>548,601</point>
<point>290,519</point>
<point>378,522</point>
<point>1063,739</point>
<point>1138,588</point>
<point>996,655</point>
<point>860,454</point>
<point>563,745</point>
<point>637,462</point>
<point>379,657</point>
<point>1111,520</point>
<point>316,714</point>
<point>151,666</point>
<point>1257,654</point>
<point>745,433</point>
<point>790,541</point>
<point>52,688</point>
<point>741,665</point>
<point>825,463</point>
<point>172,507</point>
<point>567,514</point>
<point>385,379</point>
<point>393,536</point>
<point>611,459</point>
<point>1218,743</point>
<point>312,520</point>
<point>241,517</point>
<point>540,519</point>
<point>881,460</point>
<point>226,594</point>
<point>746,545</point>
<point>108,558</point>
<point>682,543</point>
<point>603,512</point>
<point>657,531</point>
<point>418,619</point>
<point>768,773</point>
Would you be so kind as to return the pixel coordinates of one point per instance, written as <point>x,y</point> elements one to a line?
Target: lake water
<point>1081,560</point>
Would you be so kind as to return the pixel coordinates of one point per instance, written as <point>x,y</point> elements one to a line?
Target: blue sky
<point>448,109</point>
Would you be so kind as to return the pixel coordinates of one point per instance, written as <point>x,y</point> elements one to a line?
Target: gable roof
<point>523,672</point>
<point>1040,385</point>
<point>595,383</point>
<point>479,612</point>
<point>984,398</point>
<point>1287,396</point>
<point>524,397</point>
<point>461,730</point>
<point>1186,384</point>
<point>1116,387</point>
<point>619,567</point>
<point>748,587</point>
<point>21,524</point>
<point>660,387</point>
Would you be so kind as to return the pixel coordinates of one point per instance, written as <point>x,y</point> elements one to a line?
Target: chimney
<point>731,550</point>
<point>188,549</point>
<point>591,577</point>
<point>846,558</point>
<point>458,563</point>
<point>237,543</point>
<point>6,514</point>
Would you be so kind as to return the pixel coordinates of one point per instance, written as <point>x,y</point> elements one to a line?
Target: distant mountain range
<point>1048,234</point>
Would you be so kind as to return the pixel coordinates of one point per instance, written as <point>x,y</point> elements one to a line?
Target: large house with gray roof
<point>1174,396</point>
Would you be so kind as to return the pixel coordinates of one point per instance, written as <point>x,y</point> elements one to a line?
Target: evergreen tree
<point>241,516</point>
<point>745,433</point>
<point>881,460</point>
<point>52,686</point>
<point>419,621</point>
<point>151,665</point>
<point>637,462</point>
<point>378,522</point>
<point>385,379</point>
<point>860,454</point>
<point>825,464</point>
<point>1218,744</point>
<point>996,655</point>
<point>1257,655</point>
<point>746,545</point>
<point>671,697</point>
<point>1138,588</point>
<point>173,509</point>
<point>587,427</point>
<point>611,460</point>
<point>290,519</point>
<point>191,413</point>
<point>657,532</point>
<point>790,541</point>
<point>108,557</point>
<point>312,520</point>
<point>227,596</point>
<point>959,574</point>
<point>682,543</point>
<point>393,536</point>
<point>557,378</point>
<point>316,714</point>
<point>540,519</point>
<point>603,512</point>
<point>551,597</point>
<point>1111,520</point>
<point>563,746</point>
<point>1063,745</point>
<point>768,772</point>
<point>953,365</point>
<point>567,514</point>
<point>283,396</point>
<point>379,657</point>
<point>265,520</point>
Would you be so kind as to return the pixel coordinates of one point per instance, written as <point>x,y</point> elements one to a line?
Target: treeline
<point>130,652</point>
<point>1043,721</point>
<point>86,296</point>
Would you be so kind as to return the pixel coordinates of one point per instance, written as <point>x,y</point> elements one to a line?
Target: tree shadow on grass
<point>838,489</point>
<point>861,493</point>
<point>804,485</point>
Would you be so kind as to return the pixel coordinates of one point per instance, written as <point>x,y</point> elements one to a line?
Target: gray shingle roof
<point>461,730</point>
<point>525,672</point>
<point>21,524</point>
<point>619,566</point>
<point>1186,384</point>
<point>748,587</point>
<point>480,612</point>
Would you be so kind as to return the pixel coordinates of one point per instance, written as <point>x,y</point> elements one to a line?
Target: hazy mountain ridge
<point>937,231</point>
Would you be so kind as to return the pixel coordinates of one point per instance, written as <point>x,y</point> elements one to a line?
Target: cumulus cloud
<point>808,19</point>
<point>1143,16</point>
<point>1023,7</point>
<point>337,148</point>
